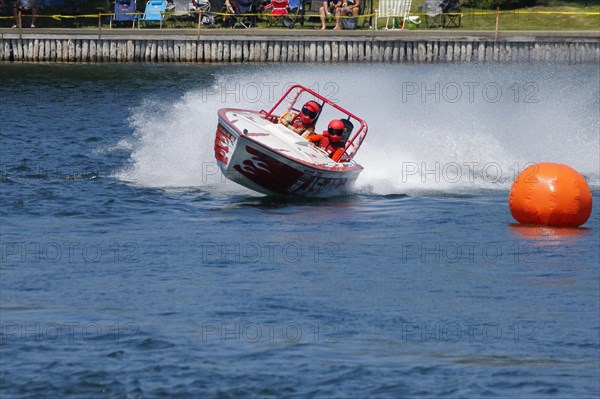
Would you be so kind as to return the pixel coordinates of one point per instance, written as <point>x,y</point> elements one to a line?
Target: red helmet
<point>309,112</point>
<point>335,130</point>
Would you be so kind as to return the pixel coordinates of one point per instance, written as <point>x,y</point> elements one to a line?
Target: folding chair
<point>452,15</point>
<point>124,12</point>
<point>219,9</point>
<point>296,13</point>
<point>154,12</point>
<point>241,10</point>
<point>434,17</point>
<point>395,9</point>
<point>310,10</point>
<point>202,6</point>
<point>179,11</point>
<point>277,11</point>
<point>452,20</point>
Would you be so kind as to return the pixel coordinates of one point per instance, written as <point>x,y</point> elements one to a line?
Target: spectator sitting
<point>450,6</point>
<point>349,7</point>
<point>24,7</point>
<point>228,7</point>
<point>327,9</point>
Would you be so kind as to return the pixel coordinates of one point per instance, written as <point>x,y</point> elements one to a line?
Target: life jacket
<point>335,149</point>
<point>297,123</point>
<point>298,126</point>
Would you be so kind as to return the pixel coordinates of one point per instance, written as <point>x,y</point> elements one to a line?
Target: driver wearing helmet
<point>331,139</point>
<point>302,123</point>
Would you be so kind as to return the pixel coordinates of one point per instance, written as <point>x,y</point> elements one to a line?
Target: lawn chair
<point>179,11</point>
<point>124,12</point>
<point>241,9</point>
<point>395,9</point>
<point>154,12</point>
<point>434,17</point>
<point>277,10</point>
<point>452,13</point>
<point>203,7</point>
<point>218,11</point>
<point>296,13</point>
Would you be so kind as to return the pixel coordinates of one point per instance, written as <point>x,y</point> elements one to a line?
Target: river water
<point>131,268</point>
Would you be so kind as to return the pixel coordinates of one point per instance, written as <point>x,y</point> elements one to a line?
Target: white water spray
<point>432,128</point>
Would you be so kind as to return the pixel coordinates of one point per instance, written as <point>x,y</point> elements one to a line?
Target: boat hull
<point>247,153</point>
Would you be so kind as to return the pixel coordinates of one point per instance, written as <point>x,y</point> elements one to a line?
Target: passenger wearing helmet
<point>331,139</point>
<point>302,123</point>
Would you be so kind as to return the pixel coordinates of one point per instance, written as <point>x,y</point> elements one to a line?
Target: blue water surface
<point>130,268</point>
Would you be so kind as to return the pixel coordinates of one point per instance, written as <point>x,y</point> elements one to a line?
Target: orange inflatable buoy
<point>550,194</point>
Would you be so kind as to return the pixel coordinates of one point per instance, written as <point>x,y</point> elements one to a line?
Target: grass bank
<point>553,15</point>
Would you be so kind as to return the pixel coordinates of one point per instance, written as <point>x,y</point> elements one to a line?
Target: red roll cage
<point>356,138</point>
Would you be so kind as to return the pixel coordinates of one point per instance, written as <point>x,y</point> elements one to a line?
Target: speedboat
<point>253,149</point>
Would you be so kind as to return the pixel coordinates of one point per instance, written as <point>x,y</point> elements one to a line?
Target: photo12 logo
<point>67,331</point>
<point>469,332</point>
<point>471,92</point>
<point>463,172</point>
<point>453,252</point>
<point>268,252</point>
<point>259,92</point>
<point>252,333</point>
<point>68,252</point>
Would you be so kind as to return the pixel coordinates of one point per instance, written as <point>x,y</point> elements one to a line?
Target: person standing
<point>24,7</point>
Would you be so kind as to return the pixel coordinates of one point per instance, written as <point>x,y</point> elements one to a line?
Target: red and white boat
<point>253,149</point>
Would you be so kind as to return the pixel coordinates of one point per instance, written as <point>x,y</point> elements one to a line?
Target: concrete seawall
<point>278,45</point>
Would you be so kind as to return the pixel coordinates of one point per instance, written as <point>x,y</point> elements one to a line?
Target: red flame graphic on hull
<point>281,178</point>
<point>255,166</point>
<point>223,140</point>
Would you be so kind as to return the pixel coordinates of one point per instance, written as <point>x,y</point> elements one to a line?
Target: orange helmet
<point>309,112</point>
<point>335,130</point>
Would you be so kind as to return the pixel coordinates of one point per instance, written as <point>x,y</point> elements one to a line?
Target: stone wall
<point>234,48</point>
